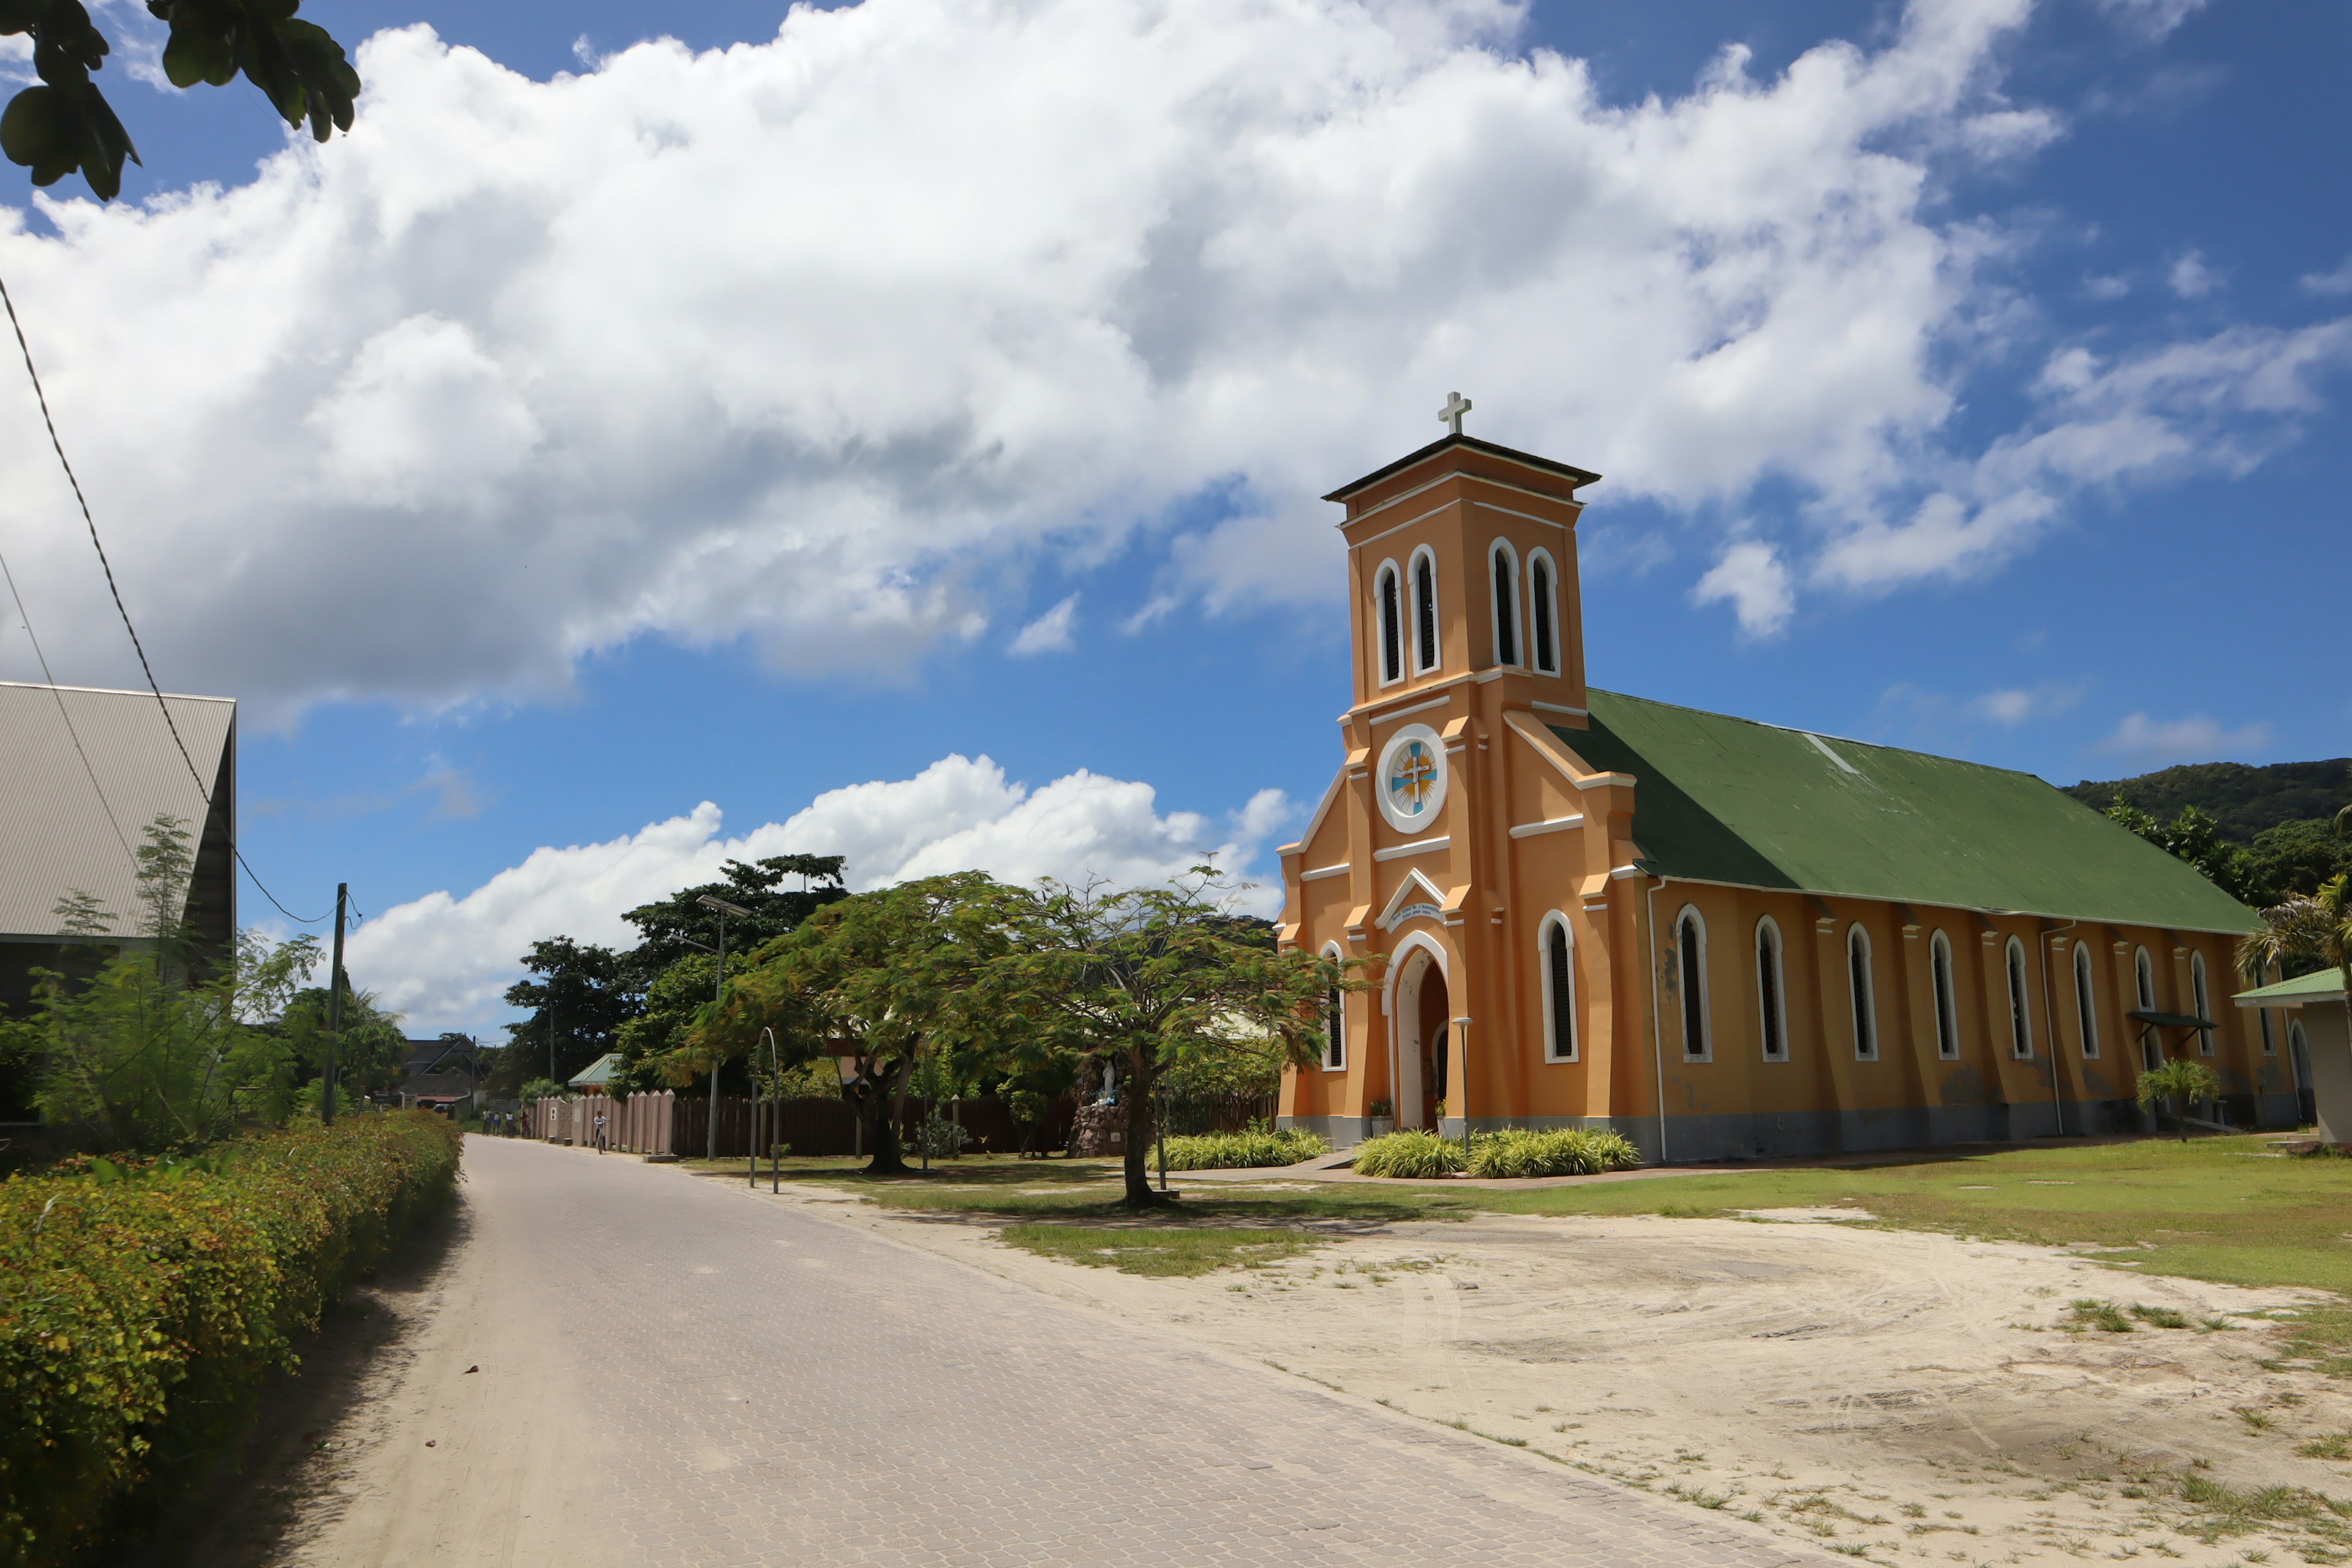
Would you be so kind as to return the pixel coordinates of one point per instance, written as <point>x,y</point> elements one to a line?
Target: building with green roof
<point>1724,939</point>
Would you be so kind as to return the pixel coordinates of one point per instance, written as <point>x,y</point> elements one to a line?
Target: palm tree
<point>2305,928</point>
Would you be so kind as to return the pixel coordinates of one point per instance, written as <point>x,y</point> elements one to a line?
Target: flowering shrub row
<point>143,1304</point>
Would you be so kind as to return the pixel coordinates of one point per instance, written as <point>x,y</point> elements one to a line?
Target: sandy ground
<point>1894,1394</point>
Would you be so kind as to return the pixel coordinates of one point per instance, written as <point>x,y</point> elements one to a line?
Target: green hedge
<point>1413,1155</point>
<point>1230,1150</point>
<point>1563,1151</point>
<point>140,1306</point>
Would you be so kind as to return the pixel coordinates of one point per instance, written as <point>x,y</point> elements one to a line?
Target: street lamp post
<point>717,992</point>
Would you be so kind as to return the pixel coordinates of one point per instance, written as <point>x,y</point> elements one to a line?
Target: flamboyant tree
<point>1156,978</point>
<point>885,978</point>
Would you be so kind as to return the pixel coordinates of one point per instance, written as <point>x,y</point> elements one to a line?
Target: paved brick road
<point>770,1388</point>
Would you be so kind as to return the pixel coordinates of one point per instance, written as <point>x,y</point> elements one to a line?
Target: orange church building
<point>1723,939</point>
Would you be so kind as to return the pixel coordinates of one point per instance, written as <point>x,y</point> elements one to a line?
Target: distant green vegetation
<point>2261,835</point>
<point>2242,801</point>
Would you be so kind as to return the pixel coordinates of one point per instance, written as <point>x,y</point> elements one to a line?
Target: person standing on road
<point>599,1130</point>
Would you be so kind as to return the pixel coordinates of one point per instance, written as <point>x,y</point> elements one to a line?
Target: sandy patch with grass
<point>1888,1393</point>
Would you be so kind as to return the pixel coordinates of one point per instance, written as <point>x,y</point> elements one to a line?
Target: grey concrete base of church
<point>1339,1131</point>
<point>1704,1140</point>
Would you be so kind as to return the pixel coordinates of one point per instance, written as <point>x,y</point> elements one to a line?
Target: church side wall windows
<point>2151,1053</point>
<point>1504,567</point>
<point>1543,612</point>
<point>2021,1008</point>
<point>1334,1021</point>
<point>1865,994</point>
<point>1948,1019</point>
<point>2197,991</point>
<point>1771,991</point>
<point>2270,1038</point>
<point>1392,618</point>
<point>1690,950</point>
<point>2086,1003</point>
<point>1559,946</point>
<point>1424,610</point>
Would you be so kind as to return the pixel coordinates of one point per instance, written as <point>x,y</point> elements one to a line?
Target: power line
<point>204,791</point>
<point>63,712</point>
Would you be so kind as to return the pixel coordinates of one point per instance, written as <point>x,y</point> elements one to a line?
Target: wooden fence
<point>670,1123</point>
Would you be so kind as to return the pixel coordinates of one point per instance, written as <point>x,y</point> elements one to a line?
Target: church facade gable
<point>1722,939</point>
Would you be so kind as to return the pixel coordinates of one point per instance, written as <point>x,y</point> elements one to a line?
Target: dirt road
<point>674,1371</point>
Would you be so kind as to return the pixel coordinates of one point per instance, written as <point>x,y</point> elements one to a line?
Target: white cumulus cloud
<point>445,959</point>
<point>1049,633</point>
<point>823,341</point>
<point>1752,577</point>
<point>2146,742</point>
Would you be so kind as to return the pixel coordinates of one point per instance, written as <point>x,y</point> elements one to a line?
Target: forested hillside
<point>2241,800</point>
<point>2263,834</point>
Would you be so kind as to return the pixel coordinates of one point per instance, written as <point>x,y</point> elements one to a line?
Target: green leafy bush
<point>1565,1151</point>
<point>1230,1150</point>
<point>1411,1154</point>
<point>141,1303</point>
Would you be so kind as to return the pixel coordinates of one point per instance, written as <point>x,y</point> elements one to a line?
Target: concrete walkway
<point>673,1371</point>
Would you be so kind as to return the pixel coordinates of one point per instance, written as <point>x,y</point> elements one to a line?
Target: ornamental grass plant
<point>143,1304</point>
<point>1412,1155</point>
<point>1562,1152</point>
<point>1259,1146</point>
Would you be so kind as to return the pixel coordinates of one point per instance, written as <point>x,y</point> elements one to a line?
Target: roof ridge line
<point>112,692</point>
<point>1823,734</point>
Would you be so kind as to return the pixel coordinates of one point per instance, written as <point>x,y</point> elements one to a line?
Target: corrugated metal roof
<point>2324,985</point>
<point>61,831</point>
<point>1717,799</point>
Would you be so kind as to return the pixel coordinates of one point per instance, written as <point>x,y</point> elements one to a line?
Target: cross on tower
<point>1456,405</point>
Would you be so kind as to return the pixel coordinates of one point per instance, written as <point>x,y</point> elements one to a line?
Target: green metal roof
<point>2324,985</point>
<point>598,1073</point>
<point>1719,799</point>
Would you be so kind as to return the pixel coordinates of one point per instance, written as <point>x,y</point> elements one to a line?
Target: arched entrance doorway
<point>1422,1032</point>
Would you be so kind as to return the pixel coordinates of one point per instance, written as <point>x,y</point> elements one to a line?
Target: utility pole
<point>718,993</point>
<point>334,1011</point>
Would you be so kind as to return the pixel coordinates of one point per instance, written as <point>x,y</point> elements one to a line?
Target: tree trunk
<point>1143,1078</point>
<point>877,1103</point>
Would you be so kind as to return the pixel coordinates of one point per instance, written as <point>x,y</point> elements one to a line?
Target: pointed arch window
<point>1334,1021</point>
<point>1559,989</point>
<point>1391,614</point>
<point>1863,984</point>
<point>1543,612</point>
<point>2270,1036</point>
<point>2021,1010</point>
<point>1771,991</point>
<point>2151,1050</point>
<point>1690,946</point>
<point>1948,1018</point>
<point>2196,992</point>
<point>1504,569</point>
<point>2086,1003</point>
<point>1425,611</point>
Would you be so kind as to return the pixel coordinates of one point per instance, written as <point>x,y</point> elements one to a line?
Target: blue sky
<point>1980,387</point>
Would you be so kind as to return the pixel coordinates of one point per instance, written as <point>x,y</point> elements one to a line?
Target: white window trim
<point>1944,1001</point>
<point>1550,999</point>
<point>1768,928</point>
<point>2201,991</point>
<point>2087,999</point>
<point>2017,975</point>
<point>1706,1013</point>
<point>1503,563</point>
<point>1388,569</point>
<point>1865,1005</point>
<point>1425,660</point>
<point>1335,1048</point>
<point>1550,597</point>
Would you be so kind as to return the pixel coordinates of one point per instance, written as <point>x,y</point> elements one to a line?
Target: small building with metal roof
<point>2311,1012</point>
<point>84,773</point>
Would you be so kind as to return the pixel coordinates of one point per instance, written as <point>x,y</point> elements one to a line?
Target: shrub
<point>1565,1151</point>
<point>1410,1154</point>
<point>2184,1082</point>
<point>143,1304</point>
<point>1230,1150</point>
